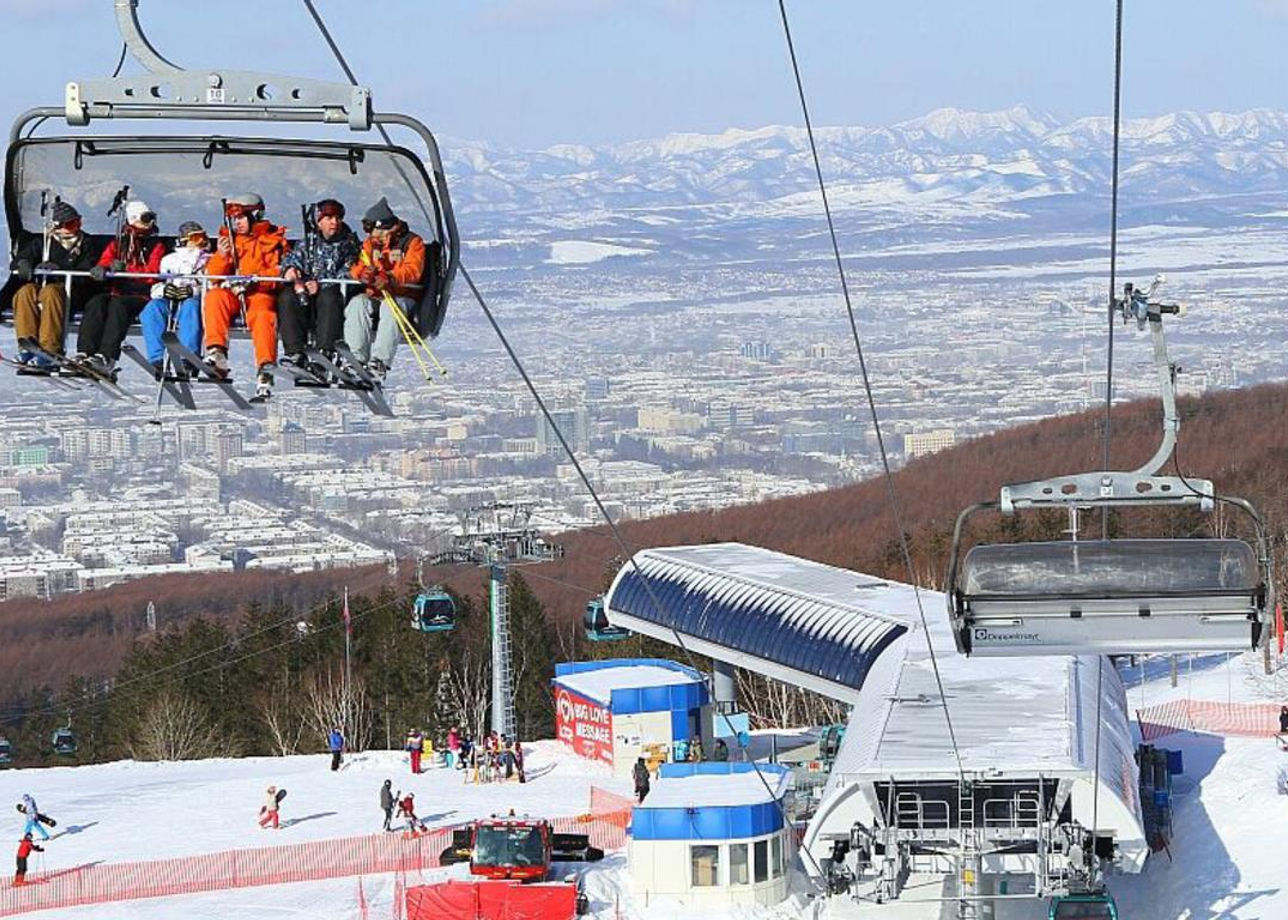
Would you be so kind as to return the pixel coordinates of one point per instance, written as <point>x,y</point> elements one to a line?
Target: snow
<point>577,252</point>
<point>598,685</point>
<point>715,791</point>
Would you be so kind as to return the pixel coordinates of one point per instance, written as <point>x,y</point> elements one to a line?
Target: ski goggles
<point>242,210</point>
<point>200,237</point>
<point>147,218</point>
<point>69,226</point>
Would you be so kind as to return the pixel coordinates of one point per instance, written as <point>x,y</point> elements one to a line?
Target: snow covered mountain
<point>948,155</point>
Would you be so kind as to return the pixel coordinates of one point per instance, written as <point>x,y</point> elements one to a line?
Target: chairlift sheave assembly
<point>1113,596</point>
<point>186,176</point>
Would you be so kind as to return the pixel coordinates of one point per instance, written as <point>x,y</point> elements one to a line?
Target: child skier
<point>407,809</point>
<point>25,846</point>
<point>269,811</point>
<point>189,258</point>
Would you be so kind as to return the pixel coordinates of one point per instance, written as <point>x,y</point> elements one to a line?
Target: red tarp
<point>493,900</point>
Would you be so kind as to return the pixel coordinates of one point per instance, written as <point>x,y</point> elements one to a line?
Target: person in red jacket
<point>255,247</point>
<point>407,809</point>
<point>25,846</point>
<point>109,313</point>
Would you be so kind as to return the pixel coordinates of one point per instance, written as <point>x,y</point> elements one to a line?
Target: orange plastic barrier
<point>1253,720</point>
<point>494,900</point>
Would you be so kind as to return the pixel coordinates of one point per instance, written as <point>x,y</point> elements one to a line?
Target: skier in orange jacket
<point>248,245</point>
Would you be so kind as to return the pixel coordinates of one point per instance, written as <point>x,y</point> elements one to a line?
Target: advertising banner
<point>584,725</point>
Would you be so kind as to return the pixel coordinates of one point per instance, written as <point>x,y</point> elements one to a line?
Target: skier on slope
<point>335,744</point>
<point>25,846</point>
<point>28,807</point>
<point>387,799</point>
<point>407,809</point>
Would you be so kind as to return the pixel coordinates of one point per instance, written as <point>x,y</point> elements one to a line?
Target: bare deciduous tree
<point>327,705</point>
<point>284,720</point>
<point>175,728</point>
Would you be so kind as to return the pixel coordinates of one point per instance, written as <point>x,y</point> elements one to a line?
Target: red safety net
<point>492,900</point>
<point>371,854</point>
<point>1209,717</point>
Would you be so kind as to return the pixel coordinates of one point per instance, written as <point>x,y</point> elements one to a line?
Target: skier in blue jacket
<point>335,744</point>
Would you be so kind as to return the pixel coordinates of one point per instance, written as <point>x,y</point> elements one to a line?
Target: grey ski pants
<point>373,337</point>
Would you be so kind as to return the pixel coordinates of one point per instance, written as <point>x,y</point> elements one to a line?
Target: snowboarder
<point>407,809</point>
<point>335,744</point>
<point>720,754</point>
<point>387,799</point>
<point>248,245</point>
<point>269,811</point>
<point>415,746</point>
<point>25,846</point>
<point>392,263</point>
<point>35,820</point>
<point>108,314</point>
<point>189,258</point>
<point>308,308</point>
<point>40,306</point>
<point>639,773</point>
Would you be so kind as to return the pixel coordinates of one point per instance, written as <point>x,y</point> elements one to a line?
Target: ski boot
<point>263,383</point>
<point>216,359</point>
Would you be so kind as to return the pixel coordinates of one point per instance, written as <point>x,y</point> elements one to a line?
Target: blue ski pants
<point>32,826</point>
<point>155,319</point>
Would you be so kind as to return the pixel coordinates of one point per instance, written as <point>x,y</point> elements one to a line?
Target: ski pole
<point>410,331</point>
<point>46,227</point>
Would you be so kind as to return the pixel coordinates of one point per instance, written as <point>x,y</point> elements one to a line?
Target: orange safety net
<point>1255,720</point>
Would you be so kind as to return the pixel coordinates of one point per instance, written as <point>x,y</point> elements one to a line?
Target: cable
<point>892,495</point>
<point>120,62</point>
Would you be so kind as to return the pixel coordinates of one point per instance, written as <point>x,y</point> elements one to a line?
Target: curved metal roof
<point>816,625</point>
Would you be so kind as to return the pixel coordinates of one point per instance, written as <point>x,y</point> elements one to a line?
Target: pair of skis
<point>351,375</point>
<point>64,366</point>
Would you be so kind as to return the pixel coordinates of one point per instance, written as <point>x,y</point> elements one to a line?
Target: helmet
<point>244,204</point>
<point>138,212</point>
<point>189,229</point>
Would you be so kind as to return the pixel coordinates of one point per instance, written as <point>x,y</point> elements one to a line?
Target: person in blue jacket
<point>335,744</point>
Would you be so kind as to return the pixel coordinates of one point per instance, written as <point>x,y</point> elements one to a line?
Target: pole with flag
<point>348,669</point>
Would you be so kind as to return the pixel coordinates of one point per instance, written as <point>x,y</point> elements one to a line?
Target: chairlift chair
<point>6,752</point>
<point>433,611</point>
<point>184,175</point>
<point>1113,596</point>
<point>598,629</point>
<point>1090,906</point>
<point>64,742</point>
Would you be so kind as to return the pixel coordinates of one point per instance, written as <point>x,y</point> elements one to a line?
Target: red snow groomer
<point>514,857</point>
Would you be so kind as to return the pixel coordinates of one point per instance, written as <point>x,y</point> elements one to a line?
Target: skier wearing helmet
<point>179,293</point>
<point>311,307</point>
<point>247,245</point>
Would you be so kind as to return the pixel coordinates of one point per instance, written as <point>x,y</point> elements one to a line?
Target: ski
<point>69,368</point>
<point>291,373</point>
<point>180,353</point>
<point>174,384</point>
<point>41,373</point>
<point>358,381</point>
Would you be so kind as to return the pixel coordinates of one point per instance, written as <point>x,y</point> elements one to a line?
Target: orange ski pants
<point>221,305</point>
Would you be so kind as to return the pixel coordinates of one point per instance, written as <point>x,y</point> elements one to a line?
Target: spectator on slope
<point>721,752</point>
<point>639,773</point>
<point>415,746</point>
<point>269,811</point>
<point>695,750</point>
<point>28,808</point>
<point>25,846</point>
<point>454,747</point>
<point>518,760</point>
<point>387,802</point>
<point>1283,720</point>
<point>335,744</point>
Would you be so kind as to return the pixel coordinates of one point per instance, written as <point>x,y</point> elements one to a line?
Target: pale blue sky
<point>529,73</point>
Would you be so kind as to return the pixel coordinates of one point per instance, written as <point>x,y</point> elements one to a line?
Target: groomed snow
<point>598,685</point>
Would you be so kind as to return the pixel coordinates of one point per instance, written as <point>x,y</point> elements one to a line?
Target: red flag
<point>1279,626</point>
<point>348,623</point>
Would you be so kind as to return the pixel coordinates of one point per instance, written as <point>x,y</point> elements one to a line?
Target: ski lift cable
<point>1109,382</point>
<point>888,476</point>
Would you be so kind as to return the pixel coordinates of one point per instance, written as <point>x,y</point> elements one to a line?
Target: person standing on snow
<point>387,799</point>
<point>392,262</point>
<point>248,245</point>
<point>268,812</point>
<point>25,846</point>
<point>307,307</point>
<point>640,776</point>
<point>189,258</point>
<point>1283,720</point>
<point>33,817</point>
<point>108,315</point>
<point>454,747</point>
<point>415,745</point>
<point>335,744</point>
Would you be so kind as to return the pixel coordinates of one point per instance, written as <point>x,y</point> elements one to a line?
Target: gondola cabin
<point>6,752</point>
<point>433,611</point>
<point>64,742</point>
<point>1083,907</point>
<point>598,629</point>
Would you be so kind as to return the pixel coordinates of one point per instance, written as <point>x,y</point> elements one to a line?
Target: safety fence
<point>371,854</point>
<point>1209,717</point>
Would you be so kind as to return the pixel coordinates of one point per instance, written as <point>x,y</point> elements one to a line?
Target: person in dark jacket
<point>1283,720</point>
<point>41,305</point>
<point>108,314</point>
<point>335,744</point>
<point>387,802</point>
<point>639,773</point>
<point>25,846</point>
<point>721,752</point>
<point>308,307</point>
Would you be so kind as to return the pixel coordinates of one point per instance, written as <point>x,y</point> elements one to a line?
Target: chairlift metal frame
<point>169,92</point>
<point>1109,619</point>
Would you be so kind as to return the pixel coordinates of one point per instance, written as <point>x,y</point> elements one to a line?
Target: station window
<point>704,862</point>
<point>776,866</point>
<point>738,869</point>
<point>762,860</point>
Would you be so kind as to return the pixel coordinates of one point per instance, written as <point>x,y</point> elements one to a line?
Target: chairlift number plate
<point>215,95</point>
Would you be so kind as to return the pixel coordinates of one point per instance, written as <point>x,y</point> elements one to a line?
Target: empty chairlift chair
<point>598,629</point>
<point>433,611</point>
<point>1113,596</point>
